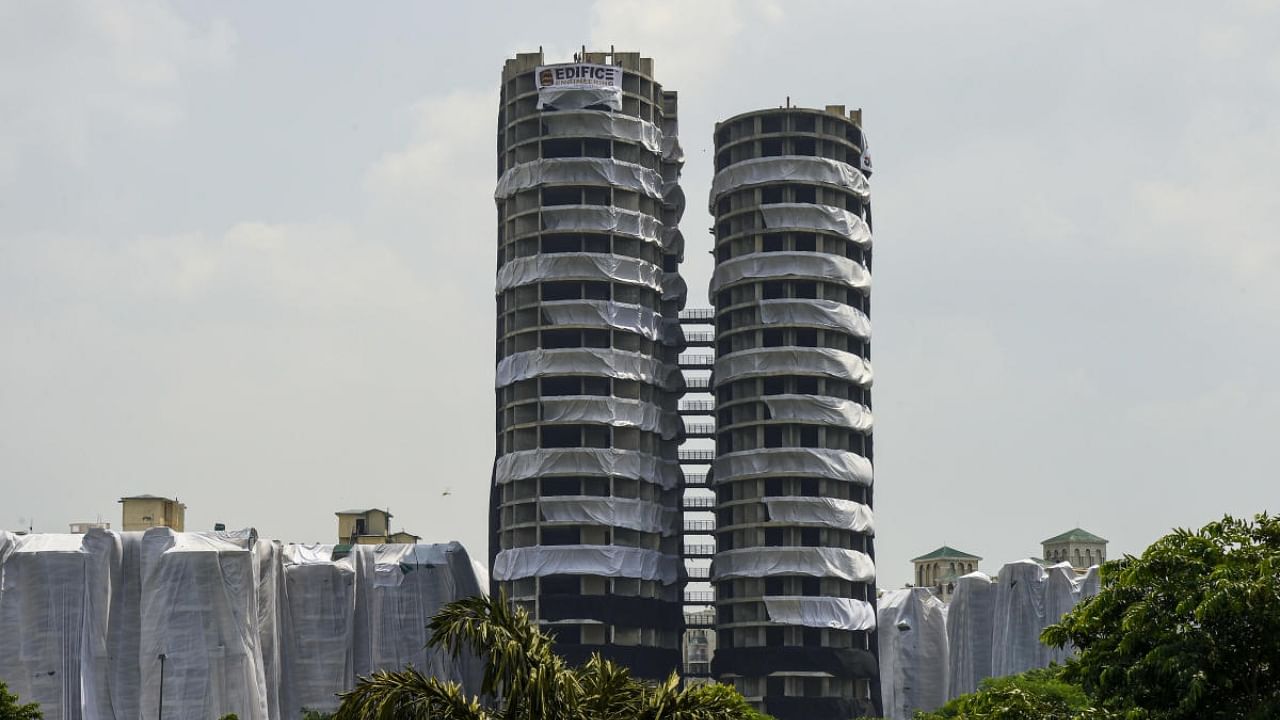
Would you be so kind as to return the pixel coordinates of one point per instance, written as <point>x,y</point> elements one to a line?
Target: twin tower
<point>727,536</point>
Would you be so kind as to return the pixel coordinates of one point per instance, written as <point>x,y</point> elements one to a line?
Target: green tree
<point>1191,629</point>
<point>11,710</point>
<point>1034,695</point>
<point>528,680</point>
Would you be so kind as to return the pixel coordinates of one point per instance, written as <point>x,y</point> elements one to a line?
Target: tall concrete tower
<point>585,510</point>
<point>793,569</point>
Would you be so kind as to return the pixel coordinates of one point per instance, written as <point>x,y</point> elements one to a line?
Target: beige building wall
<point>143,513</point>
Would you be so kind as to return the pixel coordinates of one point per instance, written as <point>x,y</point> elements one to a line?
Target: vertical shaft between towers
<point>794,572</point>
<point>585,501</point>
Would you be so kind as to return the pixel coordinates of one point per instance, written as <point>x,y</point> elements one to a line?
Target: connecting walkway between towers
<point>698,545</point>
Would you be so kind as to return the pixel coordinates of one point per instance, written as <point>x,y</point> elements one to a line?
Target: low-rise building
<point>939,569</point>
<point>140,512</point>
<point>80,528</point>
<point>370,526</point>
<point>1079,547</point>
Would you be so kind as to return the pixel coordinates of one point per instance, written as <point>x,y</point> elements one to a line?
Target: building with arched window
<point>1079,547</point>
<point>939,569</point>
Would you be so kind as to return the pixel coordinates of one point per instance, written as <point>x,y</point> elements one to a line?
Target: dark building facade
<point>585,512</point>
<point>794,566</point>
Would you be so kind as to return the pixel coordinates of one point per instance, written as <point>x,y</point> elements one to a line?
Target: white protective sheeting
<point>1090,584</point>
<point>816,313</point>
<point>642,515</point>
<point>758,562</point>
<point>200,611</point>
<point>322,601</point>
<point>806,216</point>
<point>970,618</point>
<point>524,464</point>
<point>618,412</point>
<point>579,266</point>
<point>821,512</point>
<point>819,408</point>
<point>1019,618</point>
<point>603,218</point>
<point>600,362</point>
<point>673,241</point>
<point>604,313</point>
<point>45,598</point>
<point>788,168</point>
<point>601,124</point>
<point>552,97</point>
<point>774,361</point>
<point>273,627</point>
<point>671,150</point>
<point>601,560</point>
<point>913,652</point>
<point>791,462</point>
<point>674,287</point>
<point>579,171</point>
<point>788,266</point>
<point>1061,590</point>
<point>821,612</point>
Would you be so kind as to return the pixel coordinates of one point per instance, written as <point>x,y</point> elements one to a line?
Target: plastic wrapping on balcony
<point>815,313</point>
<point>793,462</point>
<point>757,562</point>
<point>600,362</point>
<point>579,171</point>
<point>675,288</point>
<point>788,168</point>
<point>821,612</point>
<point>1020,617</point>
<point>671,150</point>
<point>599,560</point>
<point>617,412</point>
<point>970,620</point>
<point>618,316</point>
<point>602,218</point>
<point>821,512</point>
<point>819,408</point>
<point>579,266</point>
<point>673,241</point>
<point>641,515</point>
<point>673,197</point>
<point>782,361</point>
<point>817,266</point>
<point>321,596</point>
<point>601,124</point>
<point>634,464</point>
<point>806,216</point>
<point>577,98</point>
<point>913,652</point>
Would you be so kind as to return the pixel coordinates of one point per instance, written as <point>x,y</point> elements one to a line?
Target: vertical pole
<point>160,709</point>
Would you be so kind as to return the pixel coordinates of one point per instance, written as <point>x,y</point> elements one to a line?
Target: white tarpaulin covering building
<point>931,652</point>
<point>238,624</point>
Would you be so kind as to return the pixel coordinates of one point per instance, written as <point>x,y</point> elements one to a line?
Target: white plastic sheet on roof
<point>602,560</point>
<point>772,361</point>
<point>807,216</point>
<point>788,168</point>
<point>970,619</point>
<point>641,515</point>
<point>913,652</point>
<point>820,266</point>
<point>571,98</point>
<point>579,266</point>
<point>819,313</point>
<point>819,408</point>
<point>821,512</point>
<point>321,597</point>
<point>758,562</point>
<point>600,362</point>
<point>821,612</point>
<point>524,464</point>
<point>601,124</point>
<point>579,171</point>
<point>603,218</point>
<point>618,412</point>
<point>1020,616</point>
<point>791,462</point>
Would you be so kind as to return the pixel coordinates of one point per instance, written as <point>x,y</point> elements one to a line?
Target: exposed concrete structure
<point>370,526</point>
<point>585,524</point>
<point>940,569</point>
<point>1079,547</point>
<point>793,570</point>
<point>139,512</point>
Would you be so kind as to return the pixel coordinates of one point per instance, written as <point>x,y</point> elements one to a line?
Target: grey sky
<point>247,252</point>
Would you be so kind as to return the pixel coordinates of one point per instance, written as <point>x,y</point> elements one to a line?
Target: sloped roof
<point>362,511</point>
<point>1074,535</point>
<point>947,553</point>
<point>145,497</point>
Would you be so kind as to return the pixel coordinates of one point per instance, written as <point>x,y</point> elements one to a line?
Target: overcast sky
<point>247,252</point>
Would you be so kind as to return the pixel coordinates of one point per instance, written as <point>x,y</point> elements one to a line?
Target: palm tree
<point>528,680</point>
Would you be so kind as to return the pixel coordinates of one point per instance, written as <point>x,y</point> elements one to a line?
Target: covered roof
<point>145,497</point>
<point>947,553</point>
<point>363,511</point>
<point>1074,535</point>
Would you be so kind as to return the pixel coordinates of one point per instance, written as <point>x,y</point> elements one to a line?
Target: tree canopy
<point>10,709</point>
<point>528,680</point>
<point>1034,695</point>
<point>1190,629</point>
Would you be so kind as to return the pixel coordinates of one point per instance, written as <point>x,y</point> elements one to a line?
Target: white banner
<point>579,75</point>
